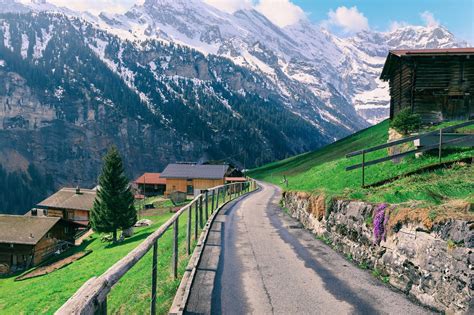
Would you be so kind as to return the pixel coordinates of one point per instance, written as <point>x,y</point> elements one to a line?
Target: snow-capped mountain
<point>179,80</point>
<point>319,76</point>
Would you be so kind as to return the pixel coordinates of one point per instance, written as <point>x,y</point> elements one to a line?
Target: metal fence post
<point>207,205</point>
<point>217,199</point>
<point>225,193</point>
<point>212,203</point>
<point>196,221</point>
<point>188,231</point>
<point>175,249</point>
<point>200,212</point>
<point>102,308</point>
<point>363,168</point>
<point>440,144</point>
<point>153,278</point>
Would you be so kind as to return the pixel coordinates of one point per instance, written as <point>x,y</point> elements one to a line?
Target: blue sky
<point>456,15</point>
<point>343,17</point>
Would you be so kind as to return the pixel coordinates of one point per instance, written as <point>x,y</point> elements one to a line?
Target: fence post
<point>175,249</point>
<point>207,205</point>
<point>188,231</point>
<point>440,144</point>
<point>196,221</point>
<point>153,278</point>
<point>102,308</point>
<point>200,212</point>
<point>225,194</point>
<point>217,199</point>
<point>212,204</point>
<point>363,168</point>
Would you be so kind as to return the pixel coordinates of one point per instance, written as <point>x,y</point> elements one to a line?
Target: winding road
<point>259,260</point>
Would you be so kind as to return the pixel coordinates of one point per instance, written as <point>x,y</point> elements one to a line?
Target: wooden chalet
<point>189,178</point>
<point>26,241</point>
<point>437,84</point>
<point>151,184</point>
<point>72,204</point>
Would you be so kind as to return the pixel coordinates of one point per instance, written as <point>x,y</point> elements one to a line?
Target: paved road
<point>258,260</point>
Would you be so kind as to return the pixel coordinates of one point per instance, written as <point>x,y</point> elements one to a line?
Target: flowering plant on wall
<point>381,217</point>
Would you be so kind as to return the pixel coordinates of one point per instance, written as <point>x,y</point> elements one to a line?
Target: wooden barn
<point>26,241</point>
<point>72,204</point>
<point>437,84</point>
<point>151,184</point>
<point>190,178</point>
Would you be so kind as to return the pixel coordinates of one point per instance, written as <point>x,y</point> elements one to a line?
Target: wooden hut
<point>72,204</point>
<point>189,178</point>
<point>437,84</point>
<point>151,184</point>
<point>26,241</point>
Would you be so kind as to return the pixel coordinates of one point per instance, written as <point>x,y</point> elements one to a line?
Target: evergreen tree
<point>113,207</point>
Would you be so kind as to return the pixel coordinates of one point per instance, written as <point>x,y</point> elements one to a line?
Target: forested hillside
<point>19,190</point>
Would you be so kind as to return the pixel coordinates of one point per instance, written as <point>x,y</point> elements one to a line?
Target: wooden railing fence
<point>91,298</point>
<point>442,135</point>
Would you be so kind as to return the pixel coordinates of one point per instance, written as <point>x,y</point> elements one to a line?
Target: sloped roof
<point>235,179</point>
<point>433,52</point>
<point>67,198</point>
<point>396,54</point>
<point>151,178</point>
<point>28,230</point>
<point>195,171</point>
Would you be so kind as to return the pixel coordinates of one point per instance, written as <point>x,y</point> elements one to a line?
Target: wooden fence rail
<point>91,298</point>
<point>443,141</point>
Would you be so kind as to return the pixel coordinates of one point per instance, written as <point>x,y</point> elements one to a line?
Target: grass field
<point>324,171</point>
<point>45,294</point>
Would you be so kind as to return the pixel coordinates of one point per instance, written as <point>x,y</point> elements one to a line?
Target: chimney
<point>78,190</point>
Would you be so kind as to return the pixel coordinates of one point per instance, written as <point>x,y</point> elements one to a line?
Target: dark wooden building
<point>26,241</point>
<point>72,204</point>
<point>437,84</point>
<point>151,184</point>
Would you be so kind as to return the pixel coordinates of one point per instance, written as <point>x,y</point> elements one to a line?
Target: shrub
<point>380,220</point>
<point>406,122</point>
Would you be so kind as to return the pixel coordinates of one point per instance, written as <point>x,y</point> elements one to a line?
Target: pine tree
<point>113,207</point>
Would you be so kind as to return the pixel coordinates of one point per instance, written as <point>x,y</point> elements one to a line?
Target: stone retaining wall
<point>433,265</point>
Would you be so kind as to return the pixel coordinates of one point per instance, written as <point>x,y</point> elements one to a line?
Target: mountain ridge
<point>181,84</point>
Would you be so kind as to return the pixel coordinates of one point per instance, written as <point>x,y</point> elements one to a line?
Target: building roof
<point>235,179</point>
<point>151,178</point>
<point>68,198</point>
<point>195,171</point>
<point>28,230</point>
<point>433,52</point>
<point>401,53</point>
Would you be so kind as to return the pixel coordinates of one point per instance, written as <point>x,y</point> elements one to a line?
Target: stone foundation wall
<point>433,265</point>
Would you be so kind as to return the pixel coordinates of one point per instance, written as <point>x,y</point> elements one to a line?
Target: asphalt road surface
<point>259,260</point>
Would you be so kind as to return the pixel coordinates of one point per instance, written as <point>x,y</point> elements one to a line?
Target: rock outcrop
<point>432,263</point>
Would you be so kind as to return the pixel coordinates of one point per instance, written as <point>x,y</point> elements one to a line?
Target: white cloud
<point>350,20</point>
<point>230,6</point>
<point>429,19</point>
<point>96,6</point>
<point>397,24</point>
<point>280,12</point>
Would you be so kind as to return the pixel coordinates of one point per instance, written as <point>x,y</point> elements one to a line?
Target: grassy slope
<point>47,293</point>
<point>324,171</point>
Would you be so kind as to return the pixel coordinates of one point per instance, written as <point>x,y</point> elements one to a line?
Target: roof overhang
<point>397,54</point>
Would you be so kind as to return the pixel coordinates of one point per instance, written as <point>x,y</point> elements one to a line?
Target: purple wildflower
<point>379,223</point>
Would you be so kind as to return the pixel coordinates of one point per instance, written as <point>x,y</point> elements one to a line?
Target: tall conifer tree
<point>113,207</point>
